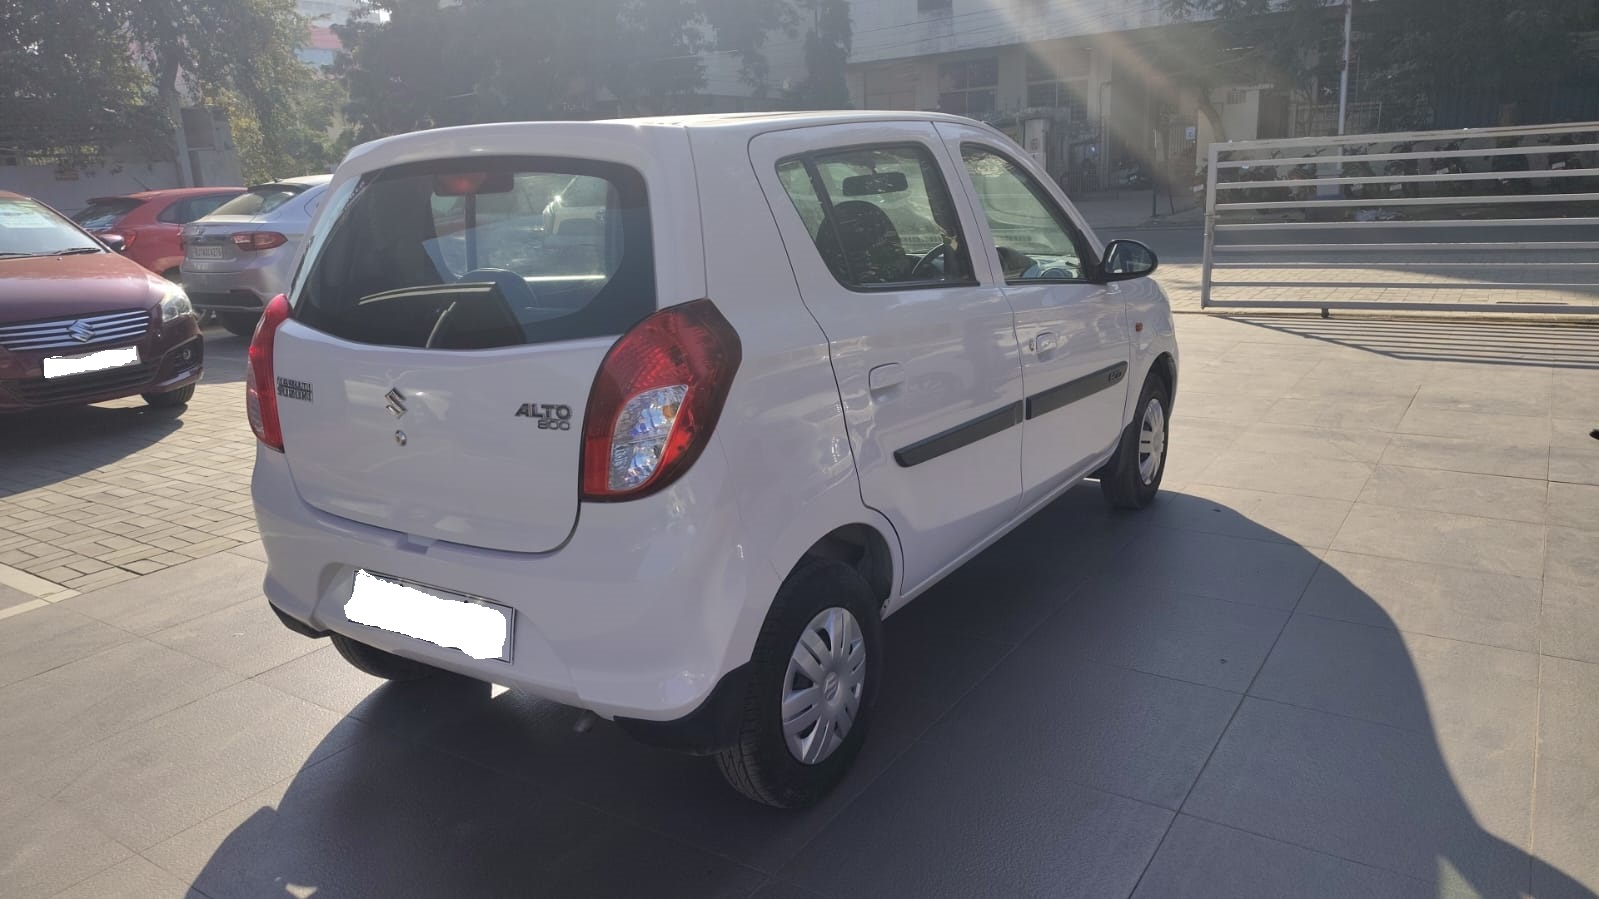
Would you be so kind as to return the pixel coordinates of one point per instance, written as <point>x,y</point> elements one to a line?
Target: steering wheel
<point>927,260</point>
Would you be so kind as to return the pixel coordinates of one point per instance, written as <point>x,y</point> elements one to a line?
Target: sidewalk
<point>1132,209</point>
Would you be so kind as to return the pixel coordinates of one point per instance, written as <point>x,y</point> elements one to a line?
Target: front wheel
<point>171,399</point>
<point>816,666</point>
<point>1132,478</point>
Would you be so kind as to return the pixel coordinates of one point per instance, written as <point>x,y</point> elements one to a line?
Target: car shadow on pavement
<point>1081,710</point>
<point>41,448</point>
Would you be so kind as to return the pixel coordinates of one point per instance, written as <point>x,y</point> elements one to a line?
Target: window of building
<point>1058,78</point>
<point>890,87</point>
<point>934,5</point>
<point>969,88</point>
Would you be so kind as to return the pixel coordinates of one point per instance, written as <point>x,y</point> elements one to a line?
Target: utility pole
<point>1343,81</point>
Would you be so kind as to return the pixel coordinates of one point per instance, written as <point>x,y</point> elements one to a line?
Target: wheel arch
<point>862,547</point>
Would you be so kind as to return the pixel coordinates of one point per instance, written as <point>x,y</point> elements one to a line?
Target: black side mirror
<point>1125,260</point>
<point>115,241</point>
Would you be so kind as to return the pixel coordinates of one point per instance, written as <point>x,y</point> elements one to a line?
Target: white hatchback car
<point>676,470</point>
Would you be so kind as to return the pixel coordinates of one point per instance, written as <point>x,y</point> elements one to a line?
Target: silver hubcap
<point>1151,441</point>
<point>822,687</point>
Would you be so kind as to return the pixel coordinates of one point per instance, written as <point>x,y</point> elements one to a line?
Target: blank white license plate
<point>66,366</point>
<point>208,252</point>
<point>477,627</point>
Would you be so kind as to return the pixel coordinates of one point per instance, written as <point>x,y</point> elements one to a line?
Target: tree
<point>1413,52</point>
<point>243,47</point>
<point>827,46</point>
<point>411,64</point>
<point>68,87</point>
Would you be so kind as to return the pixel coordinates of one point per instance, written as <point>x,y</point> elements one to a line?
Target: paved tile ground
<point>98,495</point>
<point>1353,651</point>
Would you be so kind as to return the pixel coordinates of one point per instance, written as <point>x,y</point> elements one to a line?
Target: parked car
<point>680,481</point>
<point>241,255</point>
<point>579,207</point>
<point>81,324</point>
<point>151,222</point>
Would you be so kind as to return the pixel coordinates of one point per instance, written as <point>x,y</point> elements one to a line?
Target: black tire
<point>171,399</point>
<point>760,764</point>
<point>378,663</point>
<point>239,324</point>
<point>1121,482</point>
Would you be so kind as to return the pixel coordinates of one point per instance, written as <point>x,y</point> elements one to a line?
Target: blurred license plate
<point>66,366</point>
<point>207,252</point>
<point>479,628</point>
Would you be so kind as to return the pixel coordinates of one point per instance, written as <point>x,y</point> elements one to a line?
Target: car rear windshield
<point>260,200</point>
<point>102,214</point>
<point>455,255</point>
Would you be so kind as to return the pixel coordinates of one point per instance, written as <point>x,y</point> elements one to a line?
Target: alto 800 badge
<point>550,418</point>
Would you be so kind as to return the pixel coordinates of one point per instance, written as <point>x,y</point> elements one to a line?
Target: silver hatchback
<point>240,256</point>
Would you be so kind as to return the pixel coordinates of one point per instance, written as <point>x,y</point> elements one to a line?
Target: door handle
<point>885,377</point>
<point>1043,345</point>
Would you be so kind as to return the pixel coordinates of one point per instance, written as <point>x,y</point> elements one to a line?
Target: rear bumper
<point>170,361</point>
<point>247,289</point>
<point>646,610</point>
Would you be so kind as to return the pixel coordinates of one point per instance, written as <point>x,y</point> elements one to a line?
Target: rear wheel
<point>816,666</point>
<point>378,663</point>
<point>171,398</point>
<point>239,324</point>
<point>1132,479</point>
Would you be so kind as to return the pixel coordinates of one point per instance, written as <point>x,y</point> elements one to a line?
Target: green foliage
<point>1412,52</point>
<point>410,64</point>
<point>827,46</point>
<point>68,87</point>
<point>72,88</point>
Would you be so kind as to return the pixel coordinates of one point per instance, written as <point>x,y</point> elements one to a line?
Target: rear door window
<point>103,214</point>
<point>455,255</point>
<point>881,216</point>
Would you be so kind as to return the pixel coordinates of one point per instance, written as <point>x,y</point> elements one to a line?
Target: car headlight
<point>176,305</point>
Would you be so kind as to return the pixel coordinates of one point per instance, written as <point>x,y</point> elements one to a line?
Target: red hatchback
<point>151,222</point>
<point>80,324</point>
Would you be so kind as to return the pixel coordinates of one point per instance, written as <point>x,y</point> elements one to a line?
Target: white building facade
<point>1079,83</point>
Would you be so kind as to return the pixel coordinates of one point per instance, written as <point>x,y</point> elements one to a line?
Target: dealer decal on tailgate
<point>294,390</point>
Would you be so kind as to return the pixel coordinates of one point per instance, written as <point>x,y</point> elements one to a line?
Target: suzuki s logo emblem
<point>81,332</point>
<point>396,403</point>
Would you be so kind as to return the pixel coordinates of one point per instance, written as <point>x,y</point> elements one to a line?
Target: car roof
<point>426,144</point>
<point>764,121</point>
<point>170,193</point>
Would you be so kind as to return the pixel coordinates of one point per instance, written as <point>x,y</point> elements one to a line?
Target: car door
<point>923,347</point>
<point>1073,333</point>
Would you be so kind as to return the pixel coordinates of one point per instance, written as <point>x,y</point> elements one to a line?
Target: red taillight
<point>656,400</point>
<point>260,392</point>
<point>258,240</point>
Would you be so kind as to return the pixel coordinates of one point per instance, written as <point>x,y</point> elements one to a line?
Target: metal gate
<point>1511,210</point>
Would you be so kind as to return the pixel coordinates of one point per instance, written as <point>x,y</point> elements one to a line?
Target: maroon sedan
<point>82,324</point>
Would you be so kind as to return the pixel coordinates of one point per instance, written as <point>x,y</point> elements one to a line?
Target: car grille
<point>82,331</point>
<point>81,387</point>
